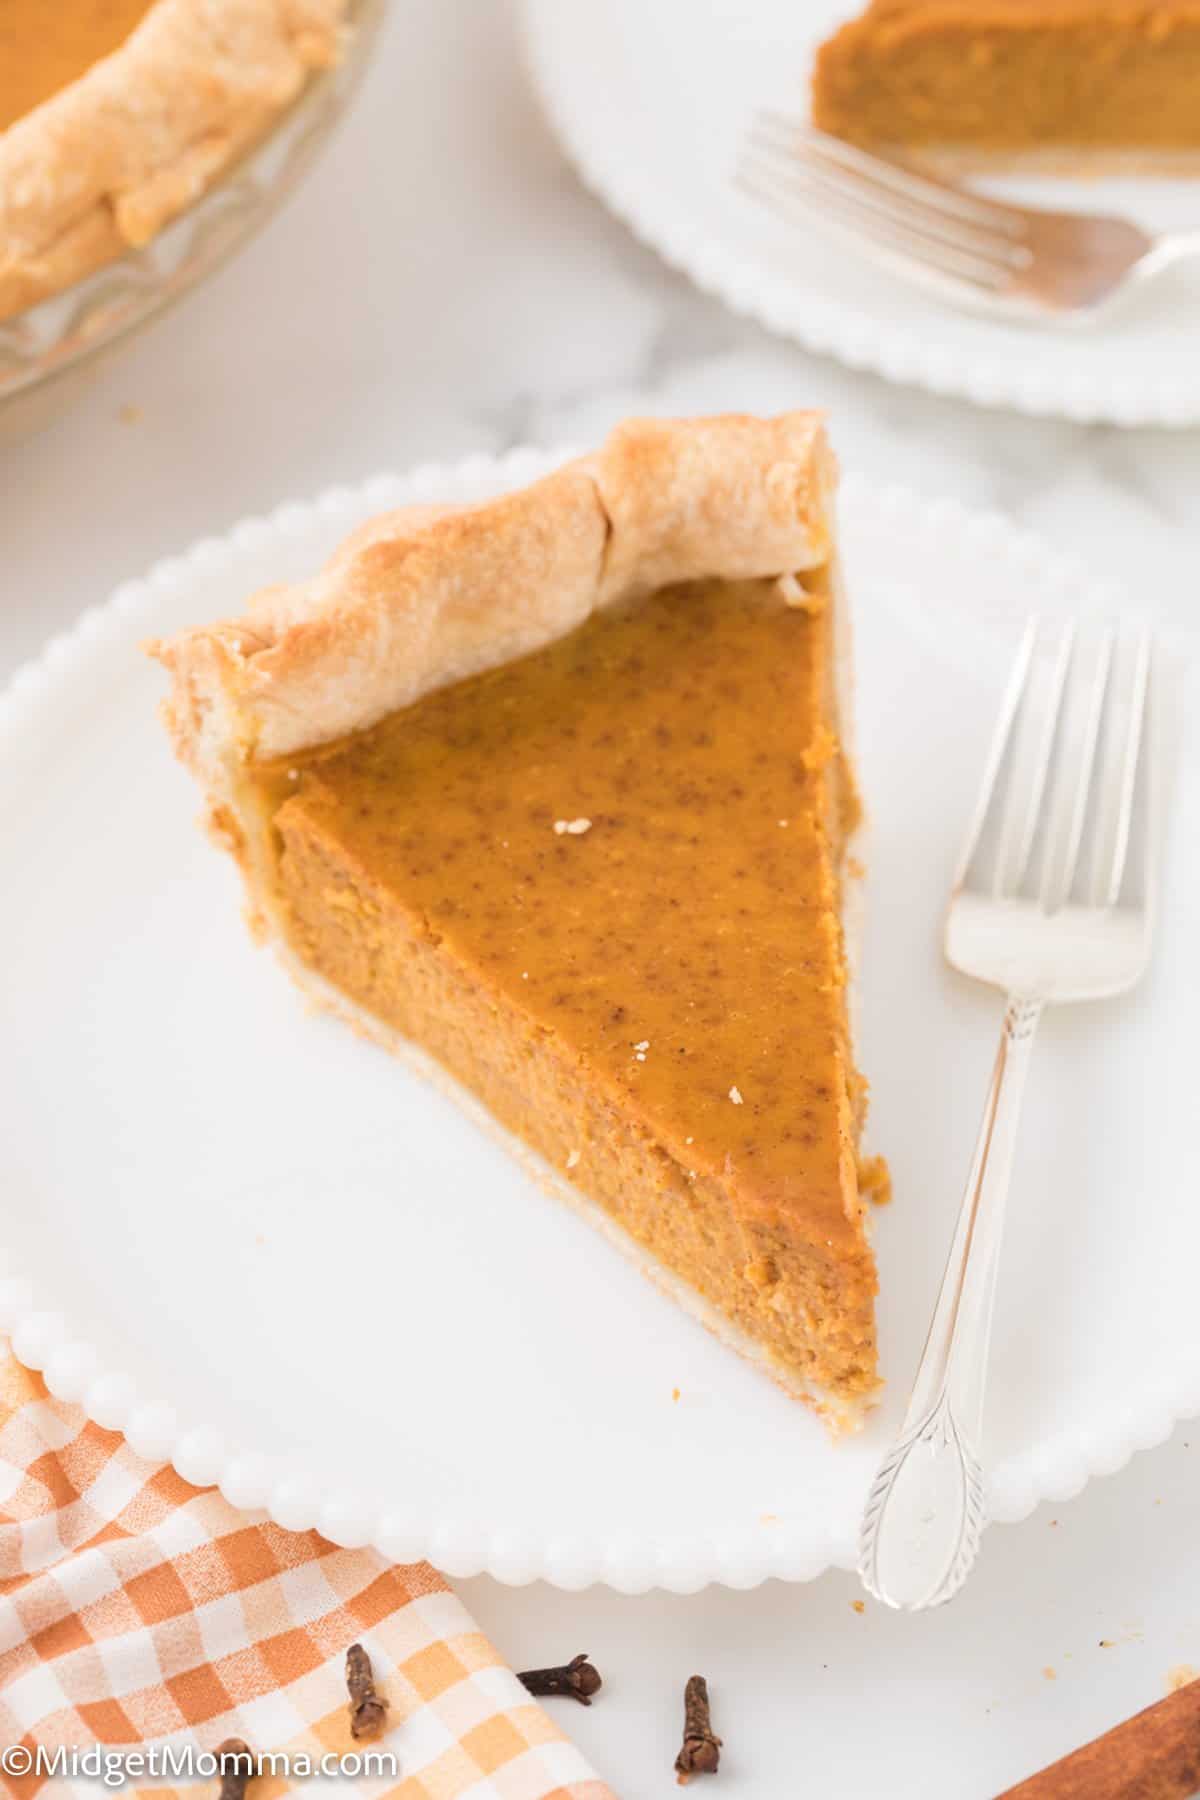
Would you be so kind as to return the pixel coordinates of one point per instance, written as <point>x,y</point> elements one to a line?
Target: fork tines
<point>909,218</point>
<point>1054,819</point>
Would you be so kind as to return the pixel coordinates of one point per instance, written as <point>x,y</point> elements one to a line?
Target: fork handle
<point>925,1511</point>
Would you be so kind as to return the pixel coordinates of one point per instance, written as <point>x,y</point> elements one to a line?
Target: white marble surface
<point>441,285</point>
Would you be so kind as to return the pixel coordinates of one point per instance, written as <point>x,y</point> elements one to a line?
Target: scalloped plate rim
<point>854,337</point>
<point>42,1337</point>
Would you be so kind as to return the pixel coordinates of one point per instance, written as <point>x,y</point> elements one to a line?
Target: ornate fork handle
<point>925,1510</point>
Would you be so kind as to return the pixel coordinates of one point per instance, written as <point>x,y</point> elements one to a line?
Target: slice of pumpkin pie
<point>555,788</point>
<point>1074,83</point>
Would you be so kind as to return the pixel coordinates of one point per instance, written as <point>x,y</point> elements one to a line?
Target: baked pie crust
<point>98,165</point>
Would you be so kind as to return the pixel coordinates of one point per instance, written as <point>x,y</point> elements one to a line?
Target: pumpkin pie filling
<point>517,786</point>
<point>601,885</point>
<point>39,59</point>
<point>1011,77</point>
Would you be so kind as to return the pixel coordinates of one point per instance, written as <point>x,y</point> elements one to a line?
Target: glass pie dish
<point>46,351</point>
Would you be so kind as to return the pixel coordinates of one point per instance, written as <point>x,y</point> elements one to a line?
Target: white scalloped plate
<point>268,1251</point>
<point>650,102</point>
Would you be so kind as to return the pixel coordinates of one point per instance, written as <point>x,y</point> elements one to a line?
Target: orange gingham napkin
<point>137,1610</point>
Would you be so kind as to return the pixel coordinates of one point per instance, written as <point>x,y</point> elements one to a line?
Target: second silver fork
<point>967,247</point>
<point>1052,902</point>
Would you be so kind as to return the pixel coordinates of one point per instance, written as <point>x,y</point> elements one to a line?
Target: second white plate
<point>650,99</point>
<point>267,1250</point>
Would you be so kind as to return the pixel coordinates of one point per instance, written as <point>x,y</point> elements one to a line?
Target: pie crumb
<point>875,1180</point>
<point>859,1606</point>
<point>1049,1673</point>
<point>793,593</point>
<point>571,827</point>
<point>675,1395</point>
<point>821,752</point>
<point>1180,1677</point>
<point>736,1096</point>
<point>129,414</point>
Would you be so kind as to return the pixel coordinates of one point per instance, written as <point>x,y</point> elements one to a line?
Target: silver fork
<point>977,252</point>
<point>1052,902</point>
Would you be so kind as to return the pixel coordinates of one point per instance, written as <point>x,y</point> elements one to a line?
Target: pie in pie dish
<point>556,789</point>
<point>115,115</point>
<point>1025,80</point>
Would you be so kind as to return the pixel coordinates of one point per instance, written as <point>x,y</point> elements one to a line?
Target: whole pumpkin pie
<point>1016,78</point>
<point>115,115</point>
<point>556,789</point>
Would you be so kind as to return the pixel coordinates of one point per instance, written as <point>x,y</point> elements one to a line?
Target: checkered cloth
<point>136,1610</point>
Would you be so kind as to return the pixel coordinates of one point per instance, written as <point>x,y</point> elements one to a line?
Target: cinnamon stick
<point>1153,1756</point>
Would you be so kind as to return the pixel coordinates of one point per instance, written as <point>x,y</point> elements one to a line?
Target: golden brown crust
<point>425,596</point>
<point>104,164</point>
<point>417,599</point>
<point>734,497</point>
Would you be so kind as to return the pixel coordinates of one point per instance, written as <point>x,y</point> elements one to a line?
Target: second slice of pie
<point>1060,83</point>
<point>556,789</point>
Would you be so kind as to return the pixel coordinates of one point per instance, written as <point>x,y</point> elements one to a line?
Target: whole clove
<point>368,1710</point>
<point>700,1752</point>
<point>579,1678</point>
<point>235,1765</point>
